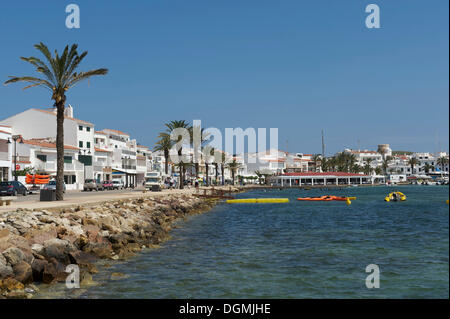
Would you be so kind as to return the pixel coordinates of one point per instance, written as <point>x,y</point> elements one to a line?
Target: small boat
<point>395,197</point>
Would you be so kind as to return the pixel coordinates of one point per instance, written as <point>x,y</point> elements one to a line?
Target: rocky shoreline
<point>37,245</point>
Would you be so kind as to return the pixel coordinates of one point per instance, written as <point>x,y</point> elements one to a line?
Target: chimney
<point>69,111</point>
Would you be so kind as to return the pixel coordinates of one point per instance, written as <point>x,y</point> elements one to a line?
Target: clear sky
<point>297,65</point>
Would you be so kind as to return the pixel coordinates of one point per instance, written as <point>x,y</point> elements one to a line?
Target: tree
<point>413,162</point>
<point>442,162</point>
<point>222,167</point>
<point>427,168</point>
<point>171,127</point>
<point>385,164</point>
<point>59,75</point>
<point>233,166</point>
<point>367,167</point>
<point>316,159</point>
<point>164,144</point>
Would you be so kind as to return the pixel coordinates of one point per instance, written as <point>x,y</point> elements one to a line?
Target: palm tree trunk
<point>59,151</point>
<point>181,169</point>
<point>166,164</point>
<point>222,171</point>
<point>207,174</point>
<point>216,167</point>
<point>196,170</point>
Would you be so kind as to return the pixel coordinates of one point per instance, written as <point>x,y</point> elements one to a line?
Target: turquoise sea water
<point>298,250</point>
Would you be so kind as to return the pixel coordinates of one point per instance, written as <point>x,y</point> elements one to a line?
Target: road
<point>73,194</point>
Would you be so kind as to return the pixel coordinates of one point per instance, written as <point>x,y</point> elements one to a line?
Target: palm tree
<point>413,162</point>
<point>59,75</point>
<point>260,175</point>
<point>385,164</point>
<point>222,167</point>
<point>367,167</point>
<point>164,144</point>
<point>171,126</point>
<point>316,159</point>
<point>428,168</point>
<point>324,164</point>
<point>442,162</point>
<point>233,167</point>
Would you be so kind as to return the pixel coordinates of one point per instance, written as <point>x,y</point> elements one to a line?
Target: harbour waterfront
<point>293,250</point>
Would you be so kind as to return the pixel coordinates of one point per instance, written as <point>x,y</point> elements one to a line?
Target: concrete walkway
<point>92,199</point>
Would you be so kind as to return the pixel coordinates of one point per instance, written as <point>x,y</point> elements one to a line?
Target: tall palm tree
<point>427,168</point>
<point>385,164</point>
<point>222,167</point>
<point>413,162</point>
<point>171,126</point>
<point>316,159</point>
<point>442,162</point>
<point>233,166</point>
<point>164,144</point>
<point>58,76</point>
<point>367,167</point>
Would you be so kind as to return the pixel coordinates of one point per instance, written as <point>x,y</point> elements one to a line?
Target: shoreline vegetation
<point>37,245</point>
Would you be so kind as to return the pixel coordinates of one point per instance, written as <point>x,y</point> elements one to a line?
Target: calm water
<point>297,250</point>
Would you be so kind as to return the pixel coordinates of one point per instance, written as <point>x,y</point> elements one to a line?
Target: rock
<point>23,272</point>
<point>4,234</point>
<point>13,255</point>
<point>49,275</point>
<point>11,284</point>
<point>101,250</point>
<point>37,248</point>
<point>38,267</point>
<point>5,270</point>
<point>19,294</point>
<point>58,249</point>
<point>81,258</point>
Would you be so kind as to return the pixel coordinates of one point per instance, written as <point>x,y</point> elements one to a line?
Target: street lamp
<point>15,139</point>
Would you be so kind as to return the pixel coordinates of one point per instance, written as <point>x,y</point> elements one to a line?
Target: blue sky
<point>301,66</point>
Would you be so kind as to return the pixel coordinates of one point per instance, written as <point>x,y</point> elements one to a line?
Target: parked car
<point>91,184</point>
<point>118,184</point>
<point>12,188</point>
<point>52,186</point>
<point>108,185</point>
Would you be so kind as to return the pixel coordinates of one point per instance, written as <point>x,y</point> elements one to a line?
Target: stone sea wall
<point>36,246</point>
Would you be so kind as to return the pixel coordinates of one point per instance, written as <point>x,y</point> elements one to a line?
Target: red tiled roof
<point>5,132</point>
<point>44,144</point>
<point>101,150</point>
<point>23,162</point>
<point>141,146</point>
<point>66,117</point>
<point>100,132</point>
<point>325,174</point>
<point>4,125</point>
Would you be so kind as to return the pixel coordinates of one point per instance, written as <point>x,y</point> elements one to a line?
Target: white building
<point>6,150</point>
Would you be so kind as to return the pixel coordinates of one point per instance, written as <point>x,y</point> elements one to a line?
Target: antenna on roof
<point>323,145</point>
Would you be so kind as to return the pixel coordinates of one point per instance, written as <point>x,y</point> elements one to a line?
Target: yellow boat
<point>395,196</point>
<point>257,200</point>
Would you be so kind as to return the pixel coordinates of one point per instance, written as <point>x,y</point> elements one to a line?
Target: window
<point>80,144</point>
<point>68,159</point>
<point>88,129</point>
<point>42,157</point>
<point>88,144</point>
<point>80,128</point>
